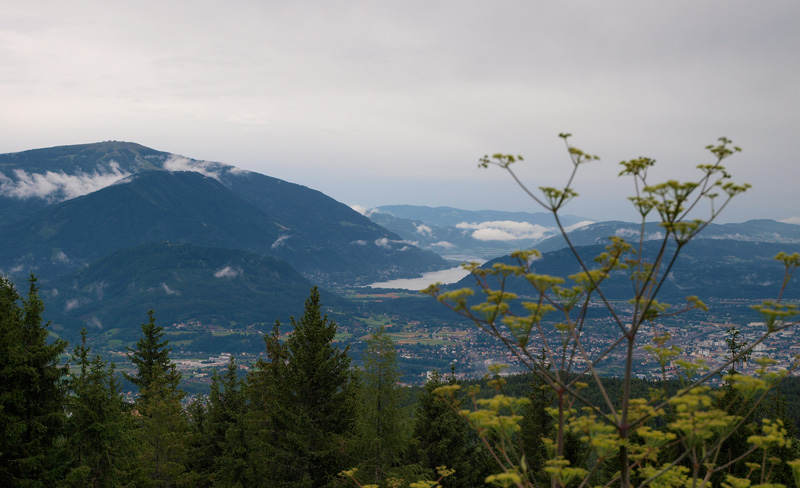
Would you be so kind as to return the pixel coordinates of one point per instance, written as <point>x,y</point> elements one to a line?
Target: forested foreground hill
<point>184,283</point>
<point>298,418</point>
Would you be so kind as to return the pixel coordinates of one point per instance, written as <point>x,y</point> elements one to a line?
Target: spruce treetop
<point>151,358</point>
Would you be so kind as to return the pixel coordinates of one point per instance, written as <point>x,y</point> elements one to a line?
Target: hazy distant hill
<point>762,230</point>
<point>181,282</point>
<point>68,205</point>
<point>468,234</point>
<point>488,234</point>
<point>450,217</point>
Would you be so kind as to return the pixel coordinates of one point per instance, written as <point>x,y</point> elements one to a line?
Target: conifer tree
<point>383,428</point>
<point>223,457</point>
<point>32,396</point>
<point>303,401</point>
<point>267,426</point>
<point>445,439</point>
<point>151,358</point>
<point>99,432</point>
<point>200,454</point>
<point>322,392</point>
<point>163,433</point>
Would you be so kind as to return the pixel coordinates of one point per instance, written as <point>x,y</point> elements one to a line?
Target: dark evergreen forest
<point>299,418</point>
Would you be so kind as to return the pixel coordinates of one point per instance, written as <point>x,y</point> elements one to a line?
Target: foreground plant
<point>666,439</point>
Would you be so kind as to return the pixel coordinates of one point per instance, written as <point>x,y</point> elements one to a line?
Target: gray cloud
<point>408,102</point>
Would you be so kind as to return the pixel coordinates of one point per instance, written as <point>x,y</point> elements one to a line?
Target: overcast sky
<point>392,102</point>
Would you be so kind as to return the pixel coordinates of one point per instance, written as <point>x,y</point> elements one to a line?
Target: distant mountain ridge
<point>761,230</point>
<point>33,179</point>
<point>486,234</point>
<point>113,229</point>
<point>63,207</point>
<point>449,216</point>
<point>461,234</point>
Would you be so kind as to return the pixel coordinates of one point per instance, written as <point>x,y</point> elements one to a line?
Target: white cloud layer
<point>98,288</point>
<point>180,163</point>
<point>791,220</point>
<point>506,230</point>
<point>56,186</point>
<point>387,243</point>
<point>95,322</point>
<point>628,233</point>
<point>279,241</point>
<point>71,304</point>
<point>227,272</point>
<point>366,212</point>
<point>580,224</point>
<point>168,290</point>
<point>424,230</point>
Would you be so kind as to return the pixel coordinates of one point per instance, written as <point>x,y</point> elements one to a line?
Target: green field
<point>342,336</point>
<point>417,338</point>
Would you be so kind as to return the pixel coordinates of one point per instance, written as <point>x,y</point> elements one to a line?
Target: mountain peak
<point>61,173</point>
<point>131,194</point>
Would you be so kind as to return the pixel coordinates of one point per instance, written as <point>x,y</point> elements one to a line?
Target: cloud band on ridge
<point>59,186</point>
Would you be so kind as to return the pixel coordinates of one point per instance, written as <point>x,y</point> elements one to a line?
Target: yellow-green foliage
<point>661,441</point>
